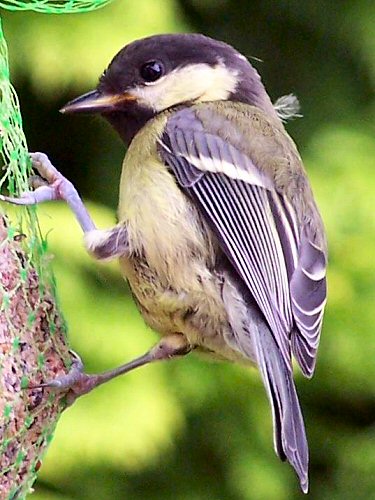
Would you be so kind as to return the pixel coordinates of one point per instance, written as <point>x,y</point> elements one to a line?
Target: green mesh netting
<point>33,343</point>
<point>54,6</point>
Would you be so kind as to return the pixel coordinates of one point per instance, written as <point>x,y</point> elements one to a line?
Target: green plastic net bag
<point>33,341</point>
<point>33,349</point>
<point>54,6</point>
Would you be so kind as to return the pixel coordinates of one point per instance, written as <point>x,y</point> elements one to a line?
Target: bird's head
<point>151,75</point>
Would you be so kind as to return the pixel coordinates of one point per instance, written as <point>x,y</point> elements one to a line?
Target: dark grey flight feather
<point>308,290</point>
<point>242,218</point>
<point>277,260</point>
<point>253,338</point>
<point>289,430</point>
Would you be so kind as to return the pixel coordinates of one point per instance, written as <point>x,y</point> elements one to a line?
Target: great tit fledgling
<point>218,234</point>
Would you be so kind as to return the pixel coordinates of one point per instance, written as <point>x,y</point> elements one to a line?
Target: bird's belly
<point>196,310</point>
<point>170,267</point>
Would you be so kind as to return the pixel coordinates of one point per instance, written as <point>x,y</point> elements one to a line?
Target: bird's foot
<point>52,185</point>
<point>74,384</point>
<point>77,383</point>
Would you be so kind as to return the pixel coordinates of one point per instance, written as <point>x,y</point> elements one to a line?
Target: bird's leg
<point>76,382</point>
<point>102,244</point>
<point>52,185</point>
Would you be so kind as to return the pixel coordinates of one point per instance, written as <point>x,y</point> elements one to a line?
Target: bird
<point>218,232</point>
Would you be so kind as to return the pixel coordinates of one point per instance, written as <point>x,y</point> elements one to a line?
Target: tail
<point>289,430</point>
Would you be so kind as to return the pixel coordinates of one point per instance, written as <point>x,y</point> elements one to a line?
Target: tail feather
<point>252,337</point>
<point>289,430</point>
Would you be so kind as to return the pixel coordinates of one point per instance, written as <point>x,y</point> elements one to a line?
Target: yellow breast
<point>172,252</point>
<point>163,226</point>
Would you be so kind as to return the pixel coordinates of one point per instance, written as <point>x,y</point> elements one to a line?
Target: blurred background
<point>190,429</point>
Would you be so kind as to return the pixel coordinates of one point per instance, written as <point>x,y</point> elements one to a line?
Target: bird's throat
<point>128,122</point>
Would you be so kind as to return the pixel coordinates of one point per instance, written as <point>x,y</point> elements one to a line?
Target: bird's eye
<point>152,71</point>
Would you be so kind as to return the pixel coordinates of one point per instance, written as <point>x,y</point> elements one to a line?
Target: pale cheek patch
<point>197,82</point>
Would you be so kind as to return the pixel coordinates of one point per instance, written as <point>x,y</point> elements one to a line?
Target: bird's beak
<point>96,102</point>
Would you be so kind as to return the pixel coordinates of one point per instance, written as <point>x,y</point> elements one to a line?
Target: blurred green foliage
<point>191,429</point>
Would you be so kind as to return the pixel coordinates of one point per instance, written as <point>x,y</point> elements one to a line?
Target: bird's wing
<point>257,229</point>
<point>308,290</point>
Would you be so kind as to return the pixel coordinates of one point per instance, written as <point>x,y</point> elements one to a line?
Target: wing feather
<point>308,297</point>
<point>258,229</point>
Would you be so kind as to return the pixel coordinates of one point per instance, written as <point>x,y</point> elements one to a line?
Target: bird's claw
<point>74,384</point>
<point>40,194</point>
<point>26,198</point>
<point>36,181</point>
<point>44,167</point>
<point>50,185</point>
